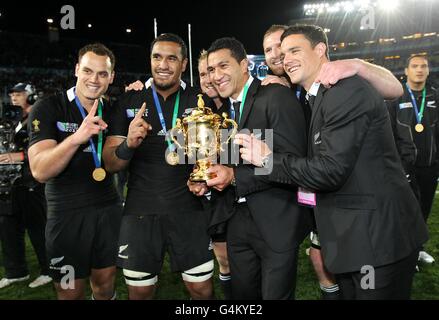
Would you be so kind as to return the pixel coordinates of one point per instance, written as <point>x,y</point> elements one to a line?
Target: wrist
<point>128,144</point>
<point>265,160</point>
<point>233,181</point>
<point>360,66</point>
<point>124,152</point>
<point>74,141</point>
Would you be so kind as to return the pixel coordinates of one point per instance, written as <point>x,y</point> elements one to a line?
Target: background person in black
<point>366,214</point>
<point>264,224</point>
<point>418,150</point>
<point>83,214</point>
<point>28,205</point>
<point>381,79</point>
<point>160,214</point>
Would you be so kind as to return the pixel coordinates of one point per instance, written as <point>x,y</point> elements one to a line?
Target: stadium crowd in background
<point>361,177</point>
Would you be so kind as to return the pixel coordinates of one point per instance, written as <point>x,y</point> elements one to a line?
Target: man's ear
<point>320,48</point>
<point>112,77</point>
<point>183,69</point>
<point>77,70</point>
<point>244,65</point>
<point>406,71</point>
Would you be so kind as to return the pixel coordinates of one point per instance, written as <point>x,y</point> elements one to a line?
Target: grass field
<point>426,284</point>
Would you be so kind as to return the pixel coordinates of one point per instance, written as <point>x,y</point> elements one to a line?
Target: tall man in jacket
<point>265,224</point>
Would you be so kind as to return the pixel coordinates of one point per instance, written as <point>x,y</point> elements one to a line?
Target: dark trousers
<point>257,271</point>
<point>27,212</point>
<point>391,282</point>
<point>425,187</point>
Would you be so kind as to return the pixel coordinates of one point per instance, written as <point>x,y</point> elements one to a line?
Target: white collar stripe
<point>149,82</point>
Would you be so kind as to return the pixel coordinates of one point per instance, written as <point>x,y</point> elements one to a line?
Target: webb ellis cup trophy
<point>201,137</point>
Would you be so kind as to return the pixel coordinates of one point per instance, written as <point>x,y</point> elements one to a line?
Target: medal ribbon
<point>97,156</point>
<point>241,107</point>
<point>298,92</point>
<point>160,113</point>
<point>419,113</point>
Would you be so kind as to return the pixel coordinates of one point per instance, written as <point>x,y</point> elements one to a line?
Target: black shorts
<point>82,240</point>
<point>144,240</point>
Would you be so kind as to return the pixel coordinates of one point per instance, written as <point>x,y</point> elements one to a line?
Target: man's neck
<point>242,85</point>
<point>308,82</point>
<point>415,86</point>
<point>166,93</point>
<point>218,102</point>
<point>85,102</point>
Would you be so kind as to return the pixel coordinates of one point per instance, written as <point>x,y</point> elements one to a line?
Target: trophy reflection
<point>201,132</point>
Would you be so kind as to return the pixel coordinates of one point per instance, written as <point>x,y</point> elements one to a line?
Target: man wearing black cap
<point>27,210</point>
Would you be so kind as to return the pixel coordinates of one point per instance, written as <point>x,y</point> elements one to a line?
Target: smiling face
<point>417,71</point>
<point>206,85</point>
<point>94,74</point>
<point>167,65</point>
<point>273,53</point>
<point>227,75</point>
<point>302,62</point>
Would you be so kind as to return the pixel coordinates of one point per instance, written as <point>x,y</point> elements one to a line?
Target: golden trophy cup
<point>202,138</point>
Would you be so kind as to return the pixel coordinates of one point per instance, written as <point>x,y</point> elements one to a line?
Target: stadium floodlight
<point>362,4</point>
<point>388,5</point>
<point>49,20</point>
<point>89,25</point>
<point>333,9</point>
<point>128,30</point>
<point>348,6</point>
<point>340,7</point>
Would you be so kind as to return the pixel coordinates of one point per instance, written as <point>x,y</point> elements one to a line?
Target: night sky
<point>245,20</point>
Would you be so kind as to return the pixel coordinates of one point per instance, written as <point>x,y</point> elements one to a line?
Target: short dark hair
<point>423,56</point>
<point>98,49</point>
<point>236,48</point>
<point>275,28</point>
<point>313,33</point>
<point>170,37</point>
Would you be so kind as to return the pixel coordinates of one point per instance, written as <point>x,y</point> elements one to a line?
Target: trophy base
<point>201,177</point>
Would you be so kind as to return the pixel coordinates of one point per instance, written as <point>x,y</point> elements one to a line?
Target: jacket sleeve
<point>436,97</point>
<point>346,112</point>
<point>285,116</point>
<point>401,144</point>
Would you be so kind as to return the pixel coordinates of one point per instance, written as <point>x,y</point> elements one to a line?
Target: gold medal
<point>172,158</point>
<point>99,174</point>
<point>419,128</point>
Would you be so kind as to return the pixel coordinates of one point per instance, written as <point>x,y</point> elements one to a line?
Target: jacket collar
<point>250,99</point>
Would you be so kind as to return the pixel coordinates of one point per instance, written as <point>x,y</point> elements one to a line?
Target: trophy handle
<point>225,125</point>
<point>178,128</point>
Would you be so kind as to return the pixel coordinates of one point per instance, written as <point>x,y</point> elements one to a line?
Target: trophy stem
<point>201,175</point>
